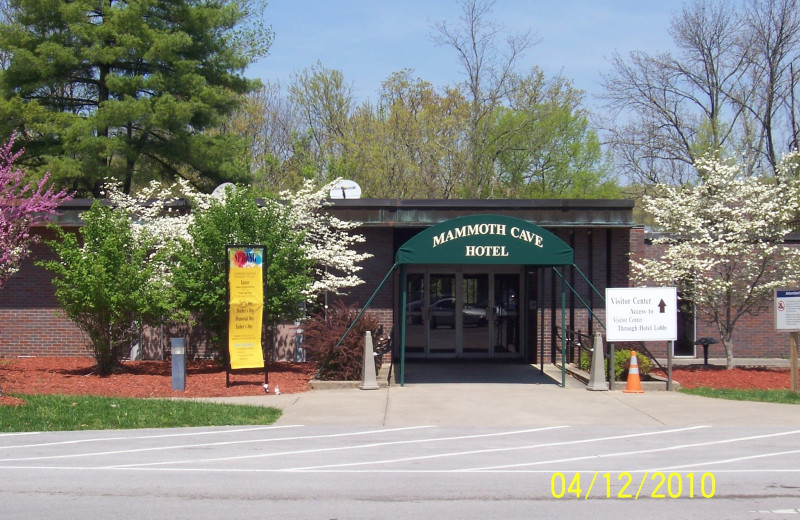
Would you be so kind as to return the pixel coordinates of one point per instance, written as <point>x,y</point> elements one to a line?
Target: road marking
<point>204,445</point>
<point>341,448</point>
<point>142,437</point>
<point>548,472</point>
<point>496,450</point>
<point>735,459</point>
<point>644,451</point>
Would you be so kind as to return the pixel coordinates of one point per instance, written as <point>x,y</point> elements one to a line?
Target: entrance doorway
<point>684,346</point>
<point>472,312</point>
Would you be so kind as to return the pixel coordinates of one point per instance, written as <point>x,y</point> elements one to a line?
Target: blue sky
<point>369,39</point>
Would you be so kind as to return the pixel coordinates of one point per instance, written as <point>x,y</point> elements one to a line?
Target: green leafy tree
<point>200,265</point>
<point>412,144</point>
<point>106,284</point>
<point>323,102</point>
<point>128,88</point>
<point>489,67</point>
<point>544,145</point>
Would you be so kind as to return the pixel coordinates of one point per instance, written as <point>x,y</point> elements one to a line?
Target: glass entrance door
<point>455,314</point>
<point>506,314</point>
<point>475,315</point>
<point>416,315</point>
<point>443,321</point>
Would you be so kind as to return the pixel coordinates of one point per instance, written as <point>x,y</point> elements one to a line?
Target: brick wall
<point>31,321</point>
<point>380,243</point>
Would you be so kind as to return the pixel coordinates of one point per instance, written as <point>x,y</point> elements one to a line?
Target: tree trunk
<point>728,344</point>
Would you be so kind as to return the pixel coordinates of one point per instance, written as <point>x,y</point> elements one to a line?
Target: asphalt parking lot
<point>515,447</point>
<point>423,471</point>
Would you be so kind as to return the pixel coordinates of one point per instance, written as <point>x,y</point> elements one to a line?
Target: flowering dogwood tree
<point>329,242</point>
<point>723,242</point>
<point>156,209</point>
<point>160,216</point>
<point>22,205</point>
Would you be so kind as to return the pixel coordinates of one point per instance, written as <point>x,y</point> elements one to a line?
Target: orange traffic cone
<point>634,385</point>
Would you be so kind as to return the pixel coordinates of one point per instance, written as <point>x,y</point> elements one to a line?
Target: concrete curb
<point>657,383</point>
<point>316,384</point>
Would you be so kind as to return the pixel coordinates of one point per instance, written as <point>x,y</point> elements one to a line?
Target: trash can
<point>705,342</point>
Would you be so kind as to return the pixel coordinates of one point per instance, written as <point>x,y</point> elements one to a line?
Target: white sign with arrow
<point>641,314</point>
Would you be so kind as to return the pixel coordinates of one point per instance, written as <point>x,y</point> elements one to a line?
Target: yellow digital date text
<point>627,485</point>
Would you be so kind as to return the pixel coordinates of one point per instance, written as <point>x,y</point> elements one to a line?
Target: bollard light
<point>178,350</point>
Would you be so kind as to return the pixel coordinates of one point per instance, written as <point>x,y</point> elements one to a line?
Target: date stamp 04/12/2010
<point>624,485</point>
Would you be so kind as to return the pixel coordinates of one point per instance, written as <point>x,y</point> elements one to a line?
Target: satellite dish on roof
<point>346,190</point>
<point>219,191</point>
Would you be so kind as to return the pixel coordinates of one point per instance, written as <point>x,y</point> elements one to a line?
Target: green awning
<point>485,239</point>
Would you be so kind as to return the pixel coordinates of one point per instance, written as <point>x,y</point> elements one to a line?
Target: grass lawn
<point>65,412</point>
<point>768,396</point>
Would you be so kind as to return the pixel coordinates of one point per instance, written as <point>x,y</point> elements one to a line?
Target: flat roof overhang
<point>429,212</point>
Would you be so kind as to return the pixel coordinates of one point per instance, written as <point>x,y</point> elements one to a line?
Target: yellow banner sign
<point>246,306</point>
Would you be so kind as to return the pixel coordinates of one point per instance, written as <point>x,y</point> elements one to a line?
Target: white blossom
<point>329,241</point>
<point>723,241</point>
<point>158,216</point>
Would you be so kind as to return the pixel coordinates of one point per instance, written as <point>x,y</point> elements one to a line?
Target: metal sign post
<point>643,314</point>
<point>793,357</point>
<point>787,319</point>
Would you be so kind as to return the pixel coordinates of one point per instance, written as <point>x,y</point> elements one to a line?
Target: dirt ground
<point>76,376</point>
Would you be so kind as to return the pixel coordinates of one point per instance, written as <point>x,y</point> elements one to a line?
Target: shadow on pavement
<point>468,371</point>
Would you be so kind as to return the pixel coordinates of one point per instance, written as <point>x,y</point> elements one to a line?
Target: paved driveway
<point>516,446</point>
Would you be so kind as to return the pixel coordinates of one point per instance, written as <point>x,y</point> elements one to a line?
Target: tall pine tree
<point>128,89</point>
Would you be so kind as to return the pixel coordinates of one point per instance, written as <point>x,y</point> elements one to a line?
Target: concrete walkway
<point>510,395</point>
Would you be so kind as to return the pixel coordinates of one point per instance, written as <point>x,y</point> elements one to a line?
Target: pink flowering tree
<point>22,206</point>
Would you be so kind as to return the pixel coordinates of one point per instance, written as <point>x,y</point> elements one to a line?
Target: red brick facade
<point>31,323</point>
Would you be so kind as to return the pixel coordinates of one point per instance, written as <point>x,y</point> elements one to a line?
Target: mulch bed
<point>204,378</point>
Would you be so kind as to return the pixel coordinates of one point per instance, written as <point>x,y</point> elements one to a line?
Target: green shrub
<point>622,361</point>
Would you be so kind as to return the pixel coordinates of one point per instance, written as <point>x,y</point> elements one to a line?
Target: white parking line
<point>18,434</point>
<point>339,448</point>
<point>137,437</point>
<point>375,471</point>
<point>492,450</point>
<point>202,445</point>
<point>734,459</point>
<point>638,452</point>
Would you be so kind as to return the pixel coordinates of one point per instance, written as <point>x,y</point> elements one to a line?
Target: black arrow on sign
<point>661,306</point>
